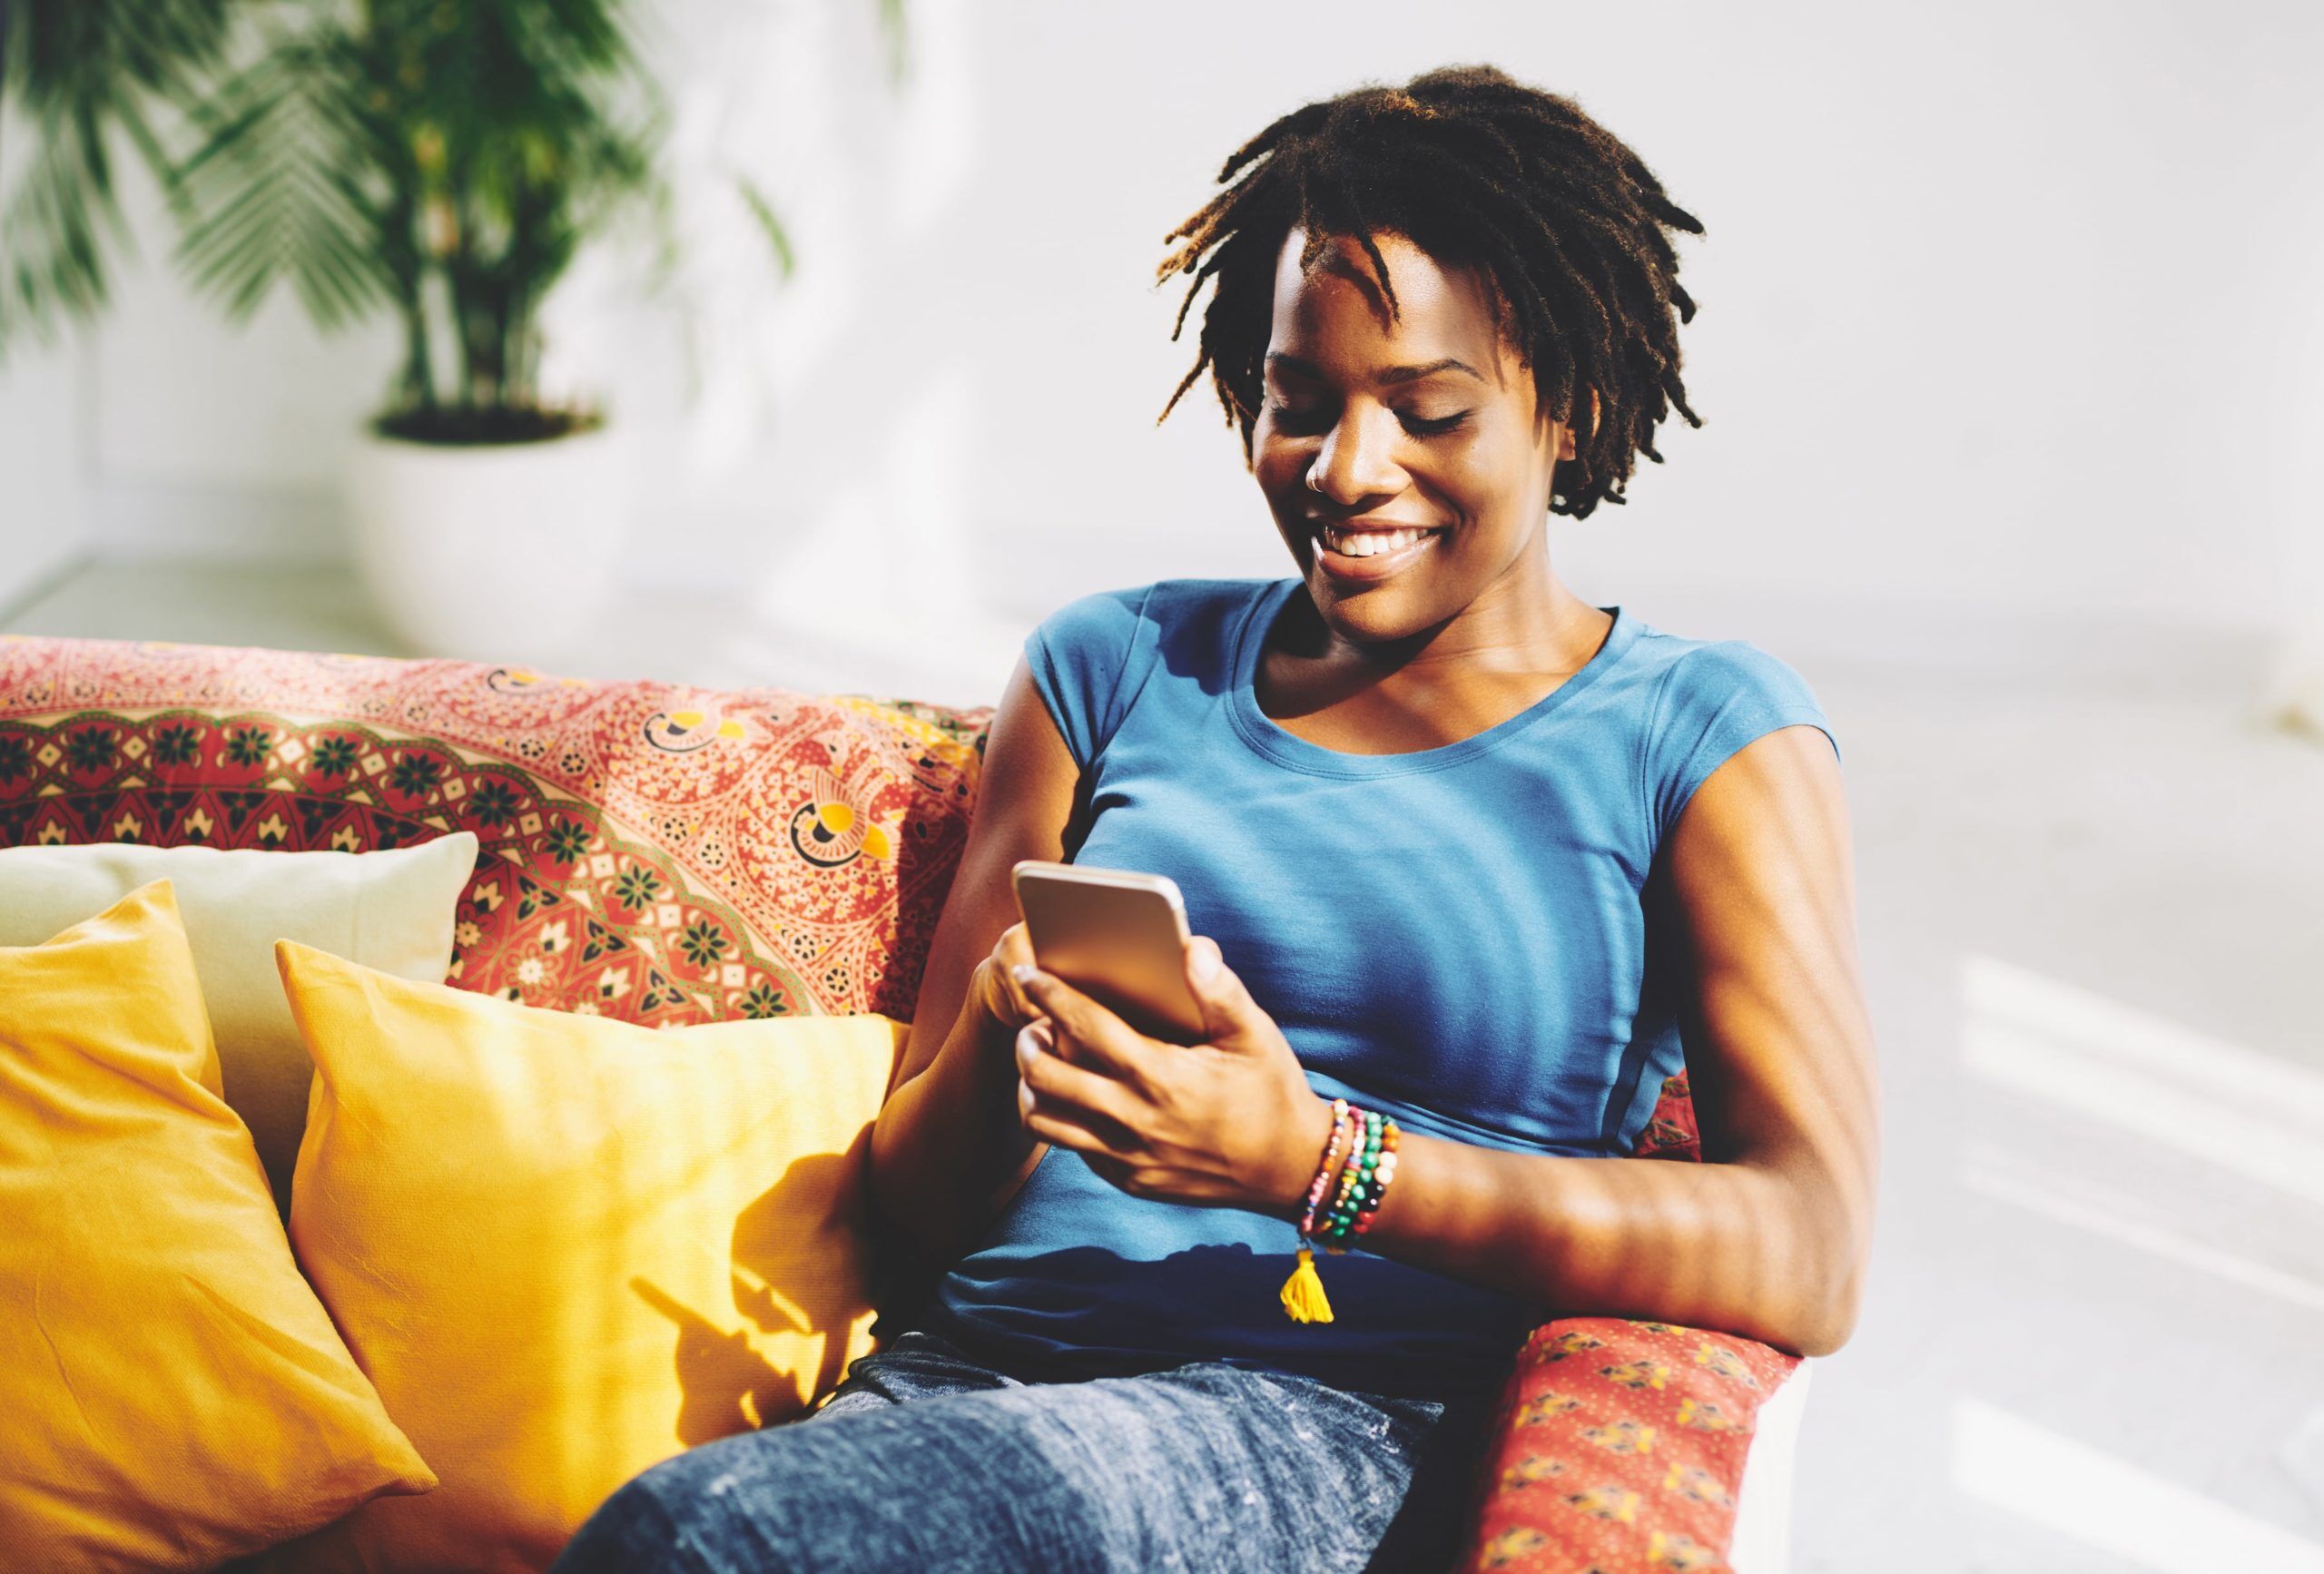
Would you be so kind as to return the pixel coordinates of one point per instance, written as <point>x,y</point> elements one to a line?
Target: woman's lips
<point>1379,565</point>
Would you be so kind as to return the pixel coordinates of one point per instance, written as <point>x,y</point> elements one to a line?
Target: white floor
<point>2092,890</point>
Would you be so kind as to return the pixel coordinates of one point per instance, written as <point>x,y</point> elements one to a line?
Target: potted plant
<point>443,160</point>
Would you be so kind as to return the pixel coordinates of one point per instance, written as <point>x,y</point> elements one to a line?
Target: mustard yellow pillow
<point>568,1247</point>
<point>391,909</point>
<point>171,1394</point>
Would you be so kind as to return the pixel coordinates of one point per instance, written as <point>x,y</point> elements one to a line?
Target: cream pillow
<point>171,1394</point>
<point>391,911</point>
<point>568,1247</point>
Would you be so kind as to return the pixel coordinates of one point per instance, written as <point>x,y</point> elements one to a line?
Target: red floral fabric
<point>670,855</point>
<point>652,852</point>
<point>1621,1448</point>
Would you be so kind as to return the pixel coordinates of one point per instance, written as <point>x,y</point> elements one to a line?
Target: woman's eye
<point>1294,418</point>
<point>1437,427</point>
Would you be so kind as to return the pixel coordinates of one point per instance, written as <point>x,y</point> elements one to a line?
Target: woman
<point>1458,847</point>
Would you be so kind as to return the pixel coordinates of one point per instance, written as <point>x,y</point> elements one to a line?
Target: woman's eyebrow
<point>1414,373</point>
<point>1389,374</point>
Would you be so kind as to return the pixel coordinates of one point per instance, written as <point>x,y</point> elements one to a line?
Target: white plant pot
<point>2292,695</point>
<point>490,552</point>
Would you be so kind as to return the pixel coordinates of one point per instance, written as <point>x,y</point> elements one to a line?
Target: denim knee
<point>642,1527</point>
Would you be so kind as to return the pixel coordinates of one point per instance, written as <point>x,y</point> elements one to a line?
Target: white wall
<point>44,466</point>
<point>2004,306</point>
<point>43,518</point>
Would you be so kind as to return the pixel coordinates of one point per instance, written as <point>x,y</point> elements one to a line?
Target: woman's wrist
<point>1298,1153</point>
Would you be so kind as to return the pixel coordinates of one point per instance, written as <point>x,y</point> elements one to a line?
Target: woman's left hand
<point>1229,1122</point>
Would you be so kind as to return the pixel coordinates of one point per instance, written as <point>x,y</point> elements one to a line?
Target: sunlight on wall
<point>708,342</point>
<point>2143,1075</point>
<point>826,426</point>
<point>2152,1522</point>
<point>1999,1173</point>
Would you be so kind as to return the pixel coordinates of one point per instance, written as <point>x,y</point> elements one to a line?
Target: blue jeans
<point>929,1460</point>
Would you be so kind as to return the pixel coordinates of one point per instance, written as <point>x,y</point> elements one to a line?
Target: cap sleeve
<point>1715,700</point>
<point>1077,655</point>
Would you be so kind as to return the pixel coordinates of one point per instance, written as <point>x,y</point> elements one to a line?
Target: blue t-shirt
<point>1455,936</point>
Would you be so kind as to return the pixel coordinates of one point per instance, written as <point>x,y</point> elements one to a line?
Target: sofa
<point>670,855</point>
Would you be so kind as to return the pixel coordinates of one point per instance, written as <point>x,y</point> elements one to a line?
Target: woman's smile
<point>1368,551</point>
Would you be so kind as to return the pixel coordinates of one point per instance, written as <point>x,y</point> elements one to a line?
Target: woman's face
<point>1406,462</point>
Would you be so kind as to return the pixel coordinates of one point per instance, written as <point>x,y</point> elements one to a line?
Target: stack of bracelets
<point>1368,1138</point>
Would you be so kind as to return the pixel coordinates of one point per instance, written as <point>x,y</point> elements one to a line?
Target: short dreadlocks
<point>1476,169</point>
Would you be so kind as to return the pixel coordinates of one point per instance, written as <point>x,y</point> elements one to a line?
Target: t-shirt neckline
<point>1288,748</point>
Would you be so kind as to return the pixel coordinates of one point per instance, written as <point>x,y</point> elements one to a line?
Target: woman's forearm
<point>1770,1253</point>
<point>949,1143</point>
<point>1771,1245</point>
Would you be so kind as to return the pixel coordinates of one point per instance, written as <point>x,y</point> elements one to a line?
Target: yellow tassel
<point>1302,1293</point>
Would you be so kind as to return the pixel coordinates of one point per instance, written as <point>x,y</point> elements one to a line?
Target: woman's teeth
<point>1367,543</point>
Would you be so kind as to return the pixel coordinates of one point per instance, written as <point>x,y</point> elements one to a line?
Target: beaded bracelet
<point>1354,1176</point>
<point>1374,1165</point>
<point>1370,1140</point>
<point>1382,1173</point>
<point>1343,1130</point>
<point>1302,1293</point>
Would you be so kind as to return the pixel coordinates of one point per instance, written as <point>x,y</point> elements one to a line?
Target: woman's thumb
<point>1226,1004</point>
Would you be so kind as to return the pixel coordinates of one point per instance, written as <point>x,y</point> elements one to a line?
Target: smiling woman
<point>1463,853</point>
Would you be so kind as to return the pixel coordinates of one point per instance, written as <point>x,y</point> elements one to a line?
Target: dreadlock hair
<point>1478,170</point>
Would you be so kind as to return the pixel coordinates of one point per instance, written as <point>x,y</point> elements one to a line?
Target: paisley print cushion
<point>652,852</point>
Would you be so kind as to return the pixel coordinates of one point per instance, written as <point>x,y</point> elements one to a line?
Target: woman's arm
<point>949,1147</point>
<point>1768,1239</point>
<point>1769,1236</point>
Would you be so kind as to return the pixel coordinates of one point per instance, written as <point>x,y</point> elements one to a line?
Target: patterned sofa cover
<point>670,855</point>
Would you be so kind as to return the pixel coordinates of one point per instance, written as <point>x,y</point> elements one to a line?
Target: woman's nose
<point>1357,460</point>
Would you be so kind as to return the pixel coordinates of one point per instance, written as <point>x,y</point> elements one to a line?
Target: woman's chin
<point>1370,615</point>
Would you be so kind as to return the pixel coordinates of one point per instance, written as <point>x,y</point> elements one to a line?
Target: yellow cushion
<point>171,1394</point>
<point>391,910</point>
<point>568,1247</point>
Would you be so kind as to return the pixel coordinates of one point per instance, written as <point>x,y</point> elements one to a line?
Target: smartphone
<point>1116,935</point>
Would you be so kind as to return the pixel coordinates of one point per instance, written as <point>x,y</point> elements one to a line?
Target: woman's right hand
<point>999,997</point>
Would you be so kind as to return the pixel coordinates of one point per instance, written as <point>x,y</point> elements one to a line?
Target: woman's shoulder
<point>1691,673</point>
<point>1111,617</point>
<point>1710,697</point>
<point>1091,657</point>
<point>1191,620</point>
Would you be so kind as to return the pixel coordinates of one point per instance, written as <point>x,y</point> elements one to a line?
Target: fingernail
<point>1205,958</point>
<point>1023,972</point>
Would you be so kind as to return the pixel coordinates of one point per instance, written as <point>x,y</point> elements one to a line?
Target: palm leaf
<point>786,261</point>
<point>893,30</point>
<point>274,192</point>
<point>74,73</point>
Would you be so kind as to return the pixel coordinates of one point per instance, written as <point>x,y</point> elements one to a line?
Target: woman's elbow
<point>1835,1300</point>
<point>1824,1328</point>
<point>1829,1299</point>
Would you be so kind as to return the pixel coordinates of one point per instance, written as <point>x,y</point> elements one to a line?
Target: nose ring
<point>1311,480</point>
